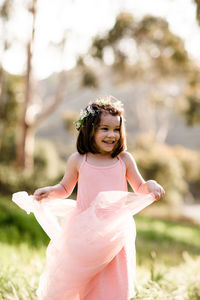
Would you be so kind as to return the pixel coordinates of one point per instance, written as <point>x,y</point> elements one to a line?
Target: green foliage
<point>9,107</point>
<point>197,10</point>
<point>153,52</point>
<point>125,24</point>
<point>190,105</point>
<point>47,171</point>
<point>5,9</point>
<point>193,111</point>
<point>17,227</point>
<point>164,52</point>
<point>155,31</point>
<point>46,158</point>
<point>159,235</point>
<point>177,169</point>
<point>190,162</point>
<point>89,78</point>
<point>9,116</point>
<point>194,291</point>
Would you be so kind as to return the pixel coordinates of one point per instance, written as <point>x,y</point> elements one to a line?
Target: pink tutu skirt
<point>82,243</point>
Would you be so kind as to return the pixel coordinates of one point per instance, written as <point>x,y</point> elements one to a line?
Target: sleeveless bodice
<point>95,179</point>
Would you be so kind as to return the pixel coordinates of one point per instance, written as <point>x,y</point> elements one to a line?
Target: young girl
<point>91,255</point>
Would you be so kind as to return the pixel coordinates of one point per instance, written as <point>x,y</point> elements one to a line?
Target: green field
<point>168,257</point>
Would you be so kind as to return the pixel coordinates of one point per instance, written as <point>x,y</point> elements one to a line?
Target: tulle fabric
<point>82,242</point>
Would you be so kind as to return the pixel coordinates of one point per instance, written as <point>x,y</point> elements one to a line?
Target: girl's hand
<point>155,188</point>
<point>42,193</point>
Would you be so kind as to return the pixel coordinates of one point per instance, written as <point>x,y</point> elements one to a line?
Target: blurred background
<point>55,57</point>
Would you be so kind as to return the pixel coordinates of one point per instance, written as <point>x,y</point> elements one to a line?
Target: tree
<point>197,10</point>
<point>30,117</point>
<point>30,108</point>
<point>190,106</point>
<point>145,50</point>
<point>9,114</point>
<point>147,43</point>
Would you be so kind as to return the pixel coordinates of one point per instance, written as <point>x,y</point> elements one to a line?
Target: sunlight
<point>77,19</point>
<point>15,59</point>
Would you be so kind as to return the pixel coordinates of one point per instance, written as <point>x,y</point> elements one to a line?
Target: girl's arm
<point>137,182</point>
<point>66,185</point>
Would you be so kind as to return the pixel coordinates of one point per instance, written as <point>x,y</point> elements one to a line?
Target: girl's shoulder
<point>76,159</point>
<point>127,158</point>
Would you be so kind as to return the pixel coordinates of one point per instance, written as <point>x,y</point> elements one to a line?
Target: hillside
<point>134,96</point>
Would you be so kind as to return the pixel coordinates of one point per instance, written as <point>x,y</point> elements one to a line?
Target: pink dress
<point>91,255</point>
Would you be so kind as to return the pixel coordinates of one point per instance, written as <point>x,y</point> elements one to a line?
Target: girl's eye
<point>117,129</point>
<point>104,128</point>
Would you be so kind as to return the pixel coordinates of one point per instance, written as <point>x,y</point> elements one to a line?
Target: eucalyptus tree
<point>197,10</point>
<point>33,113</point>
<point>191,107</point>
<point>147,51</point>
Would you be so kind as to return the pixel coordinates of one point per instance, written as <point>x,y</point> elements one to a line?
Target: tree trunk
<point>24,125</point>
<point>2,96</point>
<point>29,148</point>
<point>21,153</point>
<point>25,147</point>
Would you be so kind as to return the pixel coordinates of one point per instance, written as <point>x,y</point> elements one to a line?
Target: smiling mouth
<point>109,142</point>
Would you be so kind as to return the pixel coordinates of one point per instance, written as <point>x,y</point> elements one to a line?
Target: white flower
<point>90,110</point>
<point>111,101</point>
<point>83,114</point>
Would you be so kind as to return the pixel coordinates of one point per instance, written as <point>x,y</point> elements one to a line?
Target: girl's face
<point>108,133</point>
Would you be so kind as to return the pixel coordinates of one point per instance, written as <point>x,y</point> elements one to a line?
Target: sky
<point>83,19</point>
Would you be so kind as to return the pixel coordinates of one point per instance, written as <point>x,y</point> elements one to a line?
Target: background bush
<point>176,168</point>
<point>48,170</point>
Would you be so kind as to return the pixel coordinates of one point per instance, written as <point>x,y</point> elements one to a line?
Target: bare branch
<point>54,102</point>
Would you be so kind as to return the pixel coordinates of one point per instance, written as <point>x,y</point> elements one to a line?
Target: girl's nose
<point>111,133</point>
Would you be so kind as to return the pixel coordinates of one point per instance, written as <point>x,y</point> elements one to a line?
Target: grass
<point>168,257</point>
<point>168,240</point>
<point>16,226</point>
<point>20,268</point>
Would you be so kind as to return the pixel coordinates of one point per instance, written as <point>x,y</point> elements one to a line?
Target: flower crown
<point>110,101</point>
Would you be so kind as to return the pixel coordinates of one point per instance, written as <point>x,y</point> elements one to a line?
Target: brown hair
<point>86,142</point>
